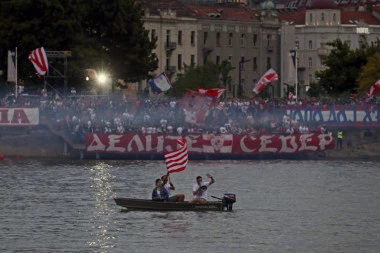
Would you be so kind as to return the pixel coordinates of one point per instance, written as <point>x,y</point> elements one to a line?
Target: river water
<point>282,206</point>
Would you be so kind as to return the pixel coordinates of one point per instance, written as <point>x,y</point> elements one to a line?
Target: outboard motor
<point>228,200</point>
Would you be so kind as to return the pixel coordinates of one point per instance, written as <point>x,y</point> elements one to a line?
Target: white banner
<point>19,116</point>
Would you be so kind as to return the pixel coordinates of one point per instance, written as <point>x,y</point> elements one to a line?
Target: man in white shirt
<point>200,189</point>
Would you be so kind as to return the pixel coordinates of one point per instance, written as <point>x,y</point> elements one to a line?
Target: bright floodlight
<point>102,78</point>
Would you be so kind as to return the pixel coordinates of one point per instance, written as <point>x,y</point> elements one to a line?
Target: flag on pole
<point>160,83</point>
<point>375,88</point>
<point>11,66</point>
<point>268,77</point>
<point>39,60</point>
<point>176,160</point>
<point>214,92</point>
<point>291,95</point>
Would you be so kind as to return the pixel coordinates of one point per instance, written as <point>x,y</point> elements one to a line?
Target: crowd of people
<point>77,115</point>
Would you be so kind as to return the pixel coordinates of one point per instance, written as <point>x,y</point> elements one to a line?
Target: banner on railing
<point>19,116</point>
<point>210,143</point>
<point>337,115</point>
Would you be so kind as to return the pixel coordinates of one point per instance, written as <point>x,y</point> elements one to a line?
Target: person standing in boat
<point>200,189</point>
<point>169,186</point>
<point>159,192</point>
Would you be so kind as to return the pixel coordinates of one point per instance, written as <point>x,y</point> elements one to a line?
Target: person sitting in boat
<point>200,189</point>
<point>169,186</point>
<point>159,192</point>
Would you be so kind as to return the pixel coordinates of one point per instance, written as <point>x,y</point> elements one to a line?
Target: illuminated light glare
<point>102,78</point>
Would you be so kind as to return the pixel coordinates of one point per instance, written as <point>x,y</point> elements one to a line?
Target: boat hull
<point>149,205</point>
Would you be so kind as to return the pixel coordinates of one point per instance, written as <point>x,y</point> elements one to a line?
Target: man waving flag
<point>176,160</point>
<point>268,77</point>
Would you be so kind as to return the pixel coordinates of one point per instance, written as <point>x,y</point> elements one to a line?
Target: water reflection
<point>100,219</point>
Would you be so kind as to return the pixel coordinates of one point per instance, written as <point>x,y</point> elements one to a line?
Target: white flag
<point>11,66</point>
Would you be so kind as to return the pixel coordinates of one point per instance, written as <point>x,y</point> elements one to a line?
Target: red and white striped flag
<point>39,60</point>
<point>214,92</point>
<point>268,77</point>
<point>176,160</point>
<point>375,88</point>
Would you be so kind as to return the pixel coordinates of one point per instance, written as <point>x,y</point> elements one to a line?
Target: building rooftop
<point>347,17</point>
<point>220,12</point>
<point>322,4</point>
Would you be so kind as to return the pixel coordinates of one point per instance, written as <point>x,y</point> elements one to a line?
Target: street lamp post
<point>240,69</point>
<point>287,88</point>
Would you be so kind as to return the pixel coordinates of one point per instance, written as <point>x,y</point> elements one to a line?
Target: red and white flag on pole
<point>39,60</point>
<point>214,92</point>
<point>176,160</point>
<point>268,77</point>
<point>290,95</point>
<point>375,88</point>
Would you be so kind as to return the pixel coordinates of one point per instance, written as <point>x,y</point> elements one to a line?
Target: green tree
<point>370,73</point>
<point>31,24</point>
<point>314,90</point>
<point>343,66</point>
<point>102,34</point>
<point>120,38</point>
<point>341,72</point>
<point>210,75</point>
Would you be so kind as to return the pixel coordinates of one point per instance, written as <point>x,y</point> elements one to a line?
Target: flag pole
<point>16,73</point>
<point>296,60</point>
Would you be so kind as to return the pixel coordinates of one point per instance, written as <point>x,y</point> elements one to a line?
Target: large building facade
<point>311,28</point>
<point>196,34</point>
<point>254,40</point>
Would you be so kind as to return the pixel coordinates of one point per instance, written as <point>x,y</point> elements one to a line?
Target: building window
<point>204,59</point>
<point>179,37</point>
<point>230,37</point>
<point>310,44</point>
<point>254,40</point>
<point>310,78</point>
<point>242,40</point>
<point>230,58</point>
<point>322,17</point>
<point>179,62</point>
<point>218,39</point>
<point>297,44</point>
<point>254,63</point>
<point>310,62</point>
<point>217,61</point>
<point>269,63</point>
<point>242,84</point>
<point>192,60</point>
<point>348,42</point>
<point>205,34</point>
<point>153,34</point>
<point>168,36</point>
<point>269,38</point>
<point>334,17</point>
<point>192,38</point>
<point>311,18</point>
<point>254,81</point>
